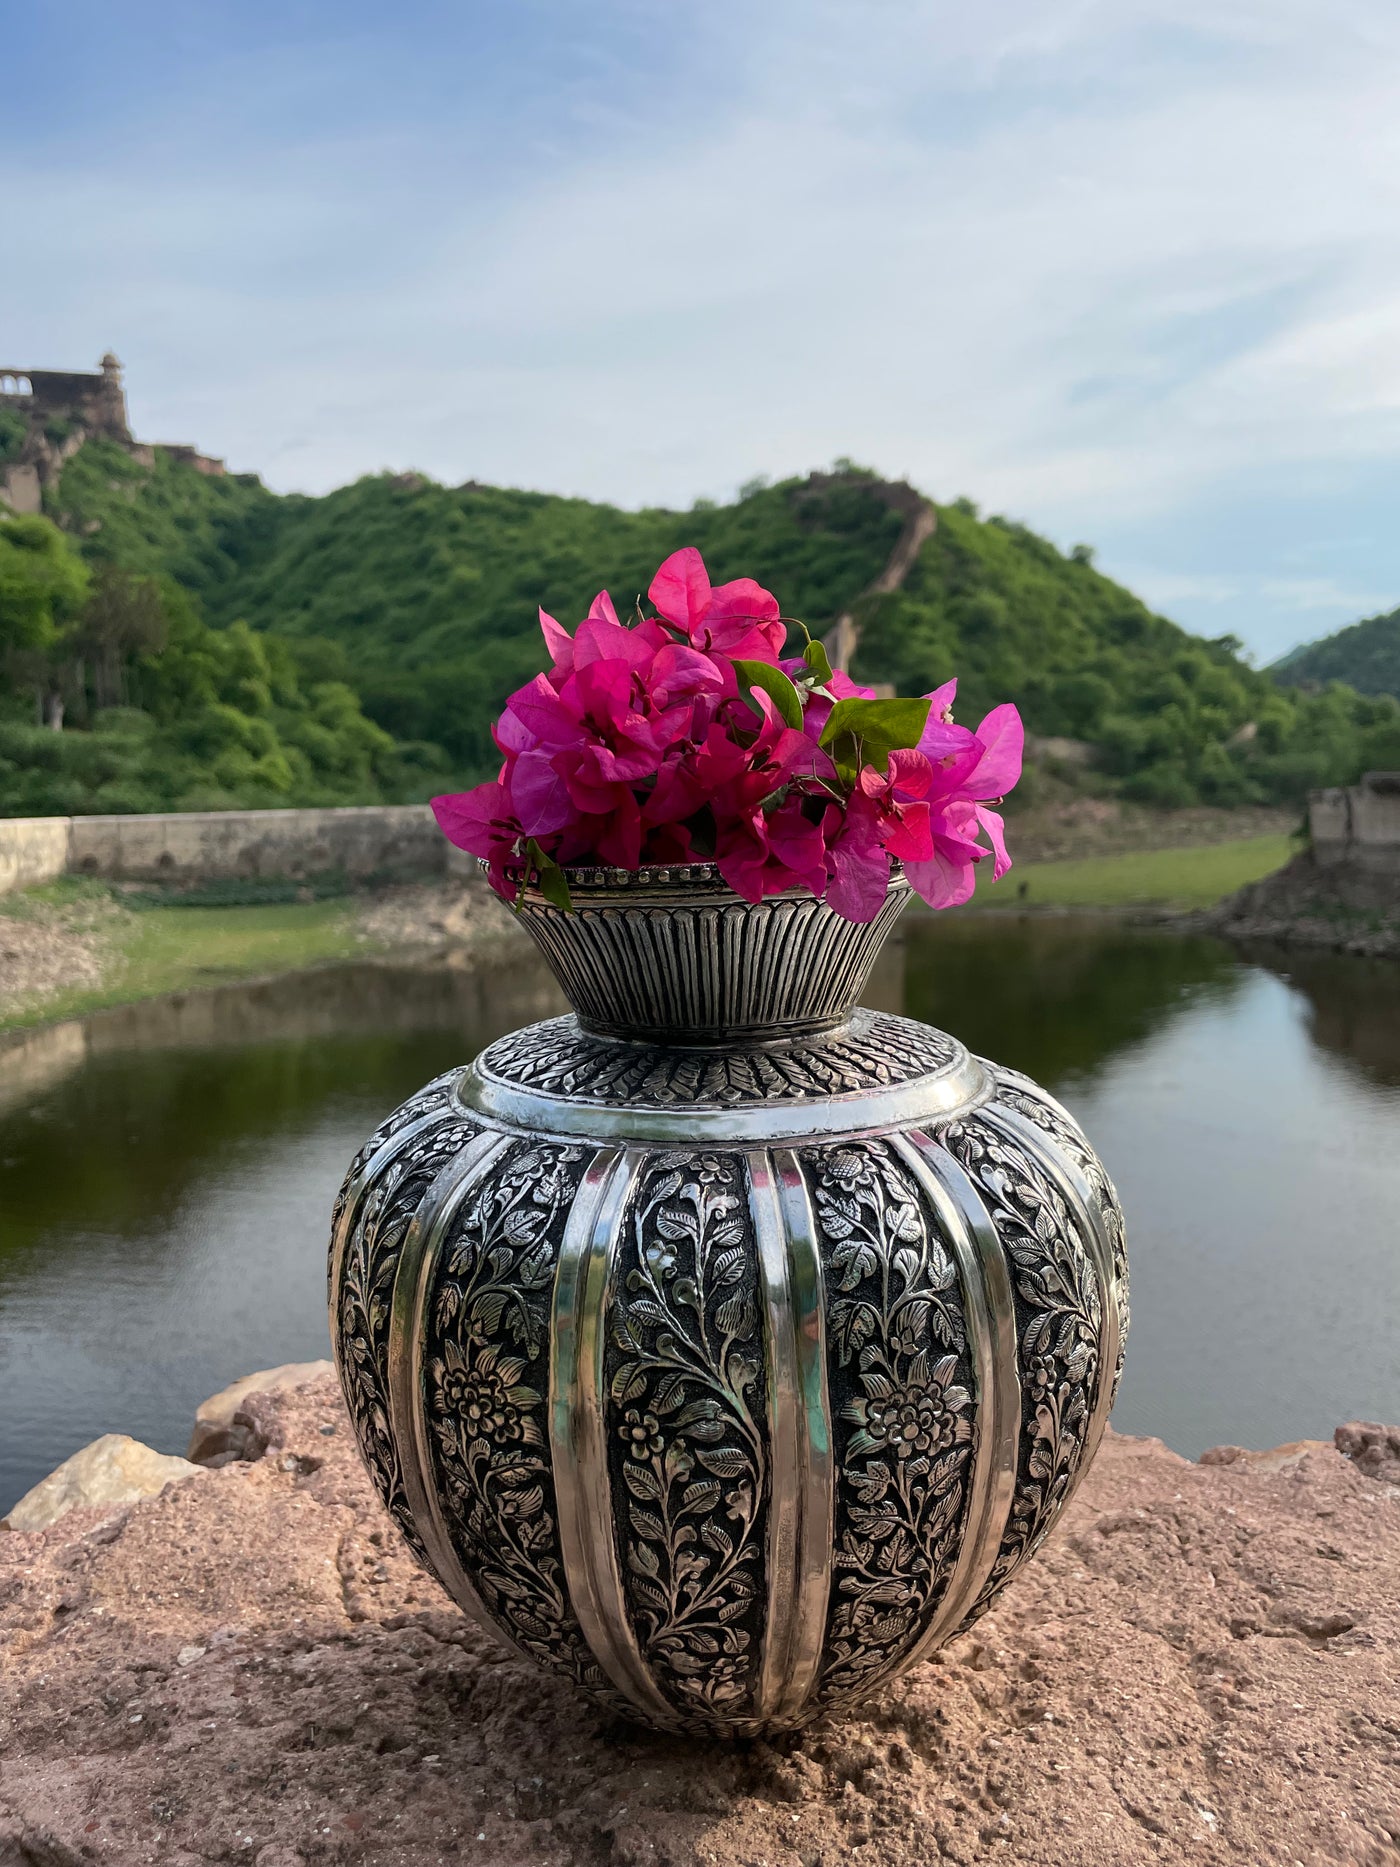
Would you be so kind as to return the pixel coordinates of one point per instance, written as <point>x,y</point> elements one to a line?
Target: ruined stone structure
<point>920,523</point>
<point>61,410</point>
<point>1358,823</point>
<point>1343,890</point>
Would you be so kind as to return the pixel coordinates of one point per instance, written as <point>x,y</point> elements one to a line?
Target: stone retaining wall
<point>32,850</point>
<point>394,841</point>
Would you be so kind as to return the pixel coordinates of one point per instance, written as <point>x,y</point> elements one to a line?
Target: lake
<point>167,1170</point>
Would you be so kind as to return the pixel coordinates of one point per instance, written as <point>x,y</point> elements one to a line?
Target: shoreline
<point>84,947</point>
<point>127,955</point>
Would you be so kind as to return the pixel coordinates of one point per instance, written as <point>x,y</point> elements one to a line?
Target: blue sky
<point>1126,269</point>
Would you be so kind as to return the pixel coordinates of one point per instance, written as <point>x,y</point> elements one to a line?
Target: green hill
<point>1366,656</point>
<point>422,599</point>
<point>116,696</point>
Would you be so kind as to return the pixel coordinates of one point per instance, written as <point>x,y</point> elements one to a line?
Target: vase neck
<point>673,956</point>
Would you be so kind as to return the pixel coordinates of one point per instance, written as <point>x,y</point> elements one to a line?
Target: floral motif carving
<point>873,1050</point>
<point>687,1447</point>
<point>1018,1092</point>
<point>1058,1318</point>
<point>434,1095</point>
<point>900,1372</point>
<point>487,1376</point>
<point>362,1301</point>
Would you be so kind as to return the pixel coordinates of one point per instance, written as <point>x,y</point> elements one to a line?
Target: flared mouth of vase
<point>671,954</point>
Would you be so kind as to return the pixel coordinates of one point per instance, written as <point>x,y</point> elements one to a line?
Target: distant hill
<point>422,598</point>
<point>1366,656</point>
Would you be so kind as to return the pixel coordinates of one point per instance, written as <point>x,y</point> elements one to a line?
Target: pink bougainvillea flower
<point>942,741</point>
<point>887,816</point>
<point>677,678</point>
<point>593,712</point>
<point>739,619</point>
<point>739,776</point>
<point>797,846</point>
<point>858,865</point>
<point>898,794</point>
<point>641,743</point>
<point>482,821</point>
<point>618,838</point>
<point>979,767</point>
<point>948,878</point>
<point>561,648</point>
<point>994,825</point>
<point>771,852</point>
<point>1002,739</point>
<point>540,793</point>
<point>511,734</point>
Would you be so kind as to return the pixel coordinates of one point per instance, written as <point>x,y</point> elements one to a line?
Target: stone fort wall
<point>389,842</point>
<point>402,841</point>
<point>62,409</point>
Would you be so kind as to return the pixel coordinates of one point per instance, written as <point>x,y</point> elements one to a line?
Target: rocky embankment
<point>1344,906</point>
<point>1202,1666</point>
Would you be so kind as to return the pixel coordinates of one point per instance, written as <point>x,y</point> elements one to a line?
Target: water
<point>166,1170</point>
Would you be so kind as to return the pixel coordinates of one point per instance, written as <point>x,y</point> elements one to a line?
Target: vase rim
<point>594,879</point>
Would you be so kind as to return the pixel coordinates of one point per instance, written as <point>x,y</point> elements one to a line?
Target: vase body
<point>723,1345</point>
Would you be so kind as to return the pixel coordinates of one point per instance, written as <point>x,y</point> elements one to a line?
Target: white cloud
<point>1084,261</point>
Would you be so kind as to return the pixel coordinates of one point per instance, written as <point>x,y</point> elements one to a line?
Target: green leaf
<point>553,883</point>
<point>889,724</point>
<point>776,685</point>
<point>817,661</point>
<point>865,732</point>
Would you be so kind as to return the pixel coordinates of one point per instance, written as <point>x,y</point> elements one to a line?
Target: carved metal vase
<point>724,1346</point>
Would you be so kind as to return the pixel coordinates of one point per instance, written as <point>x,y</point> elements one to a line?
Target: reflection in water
<point>1056,997</point>
<point>1353,1006</point>
<point>166,1170</point>
<point>161,1092</point>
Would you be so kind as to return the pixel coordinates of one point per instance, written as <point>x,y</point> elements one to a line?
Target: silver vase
<point>725,1346</point>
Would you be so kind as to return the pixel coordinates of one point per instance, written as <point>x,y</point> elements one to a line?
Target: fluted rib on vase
<point>674,955</point>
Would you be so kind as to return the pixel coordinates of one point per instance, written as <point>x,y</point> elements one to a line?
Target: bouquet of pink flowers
<point>687,737</point>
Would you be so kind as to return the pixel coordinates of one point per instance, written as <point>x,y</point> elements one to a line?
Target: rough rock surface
<point>219,1434</point>
<point>1345,906</point>
<point>1373,1448</point>
<point>46,948</point>
<point>1202,1666</point>
<point>463,915</point>
<point>111,1470</point>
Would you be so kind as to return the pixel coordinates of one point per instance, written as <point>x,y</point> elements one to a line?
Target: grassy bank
<point>117,956</point>
<point>1167,878</point>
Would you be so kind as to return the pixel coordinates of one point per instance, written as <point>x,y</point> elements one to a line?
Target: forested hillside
<point>116,696</point>
<point>1366,656</point>
<point>419,601</point>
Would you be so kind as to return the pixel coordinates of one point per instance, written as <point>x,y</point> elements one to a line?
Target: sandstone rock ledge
<point>1203,1666</point>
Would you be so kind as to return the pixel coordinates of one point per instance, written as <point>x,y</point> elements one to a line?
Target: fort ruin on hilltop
<point>60,410</point>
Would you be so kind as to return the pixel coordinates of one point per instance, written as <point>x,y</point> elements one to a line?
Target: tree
<point>43,583</point>
<point>124,617</point>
